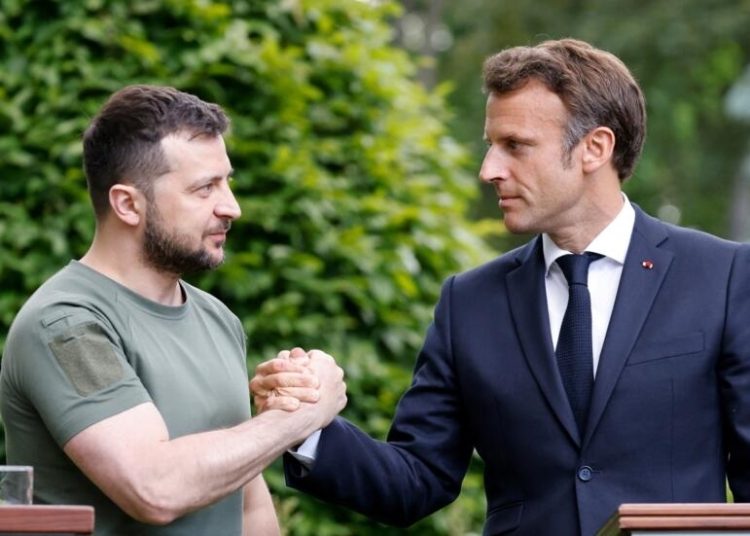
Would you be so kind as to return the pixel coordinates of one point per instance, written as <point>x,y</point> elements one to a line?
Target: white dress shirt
<point>604,277</point>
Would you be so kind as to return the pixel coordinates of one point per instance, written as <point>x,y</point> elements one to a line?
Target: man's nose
<point>227,207</point>
<point>493,166</point>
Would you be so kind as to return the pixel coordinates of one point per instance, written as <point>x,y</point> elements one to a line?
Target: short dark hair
<point>595,86</point>
<point>123,142</point>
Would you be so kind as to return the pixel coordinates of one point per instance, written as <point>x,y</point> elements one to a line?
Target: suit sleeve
<point>734,374</point>
<point>419,469</point>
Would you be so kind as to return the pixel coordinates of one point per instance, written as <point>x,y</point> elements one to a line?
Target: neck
<point>587,223</point>
<point>120,259</point>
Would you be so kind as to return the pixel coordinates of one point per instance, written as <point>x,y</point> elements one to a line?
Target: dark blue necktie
<point>573,352</point>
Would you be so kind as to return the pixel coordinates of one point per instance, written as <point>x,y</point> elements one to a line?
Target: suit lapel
<point>528,305</point>
<point>638,288</point>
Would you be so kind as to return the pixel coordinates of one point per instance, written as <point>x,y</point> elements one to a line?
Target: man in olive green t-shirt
<point>122,385</point>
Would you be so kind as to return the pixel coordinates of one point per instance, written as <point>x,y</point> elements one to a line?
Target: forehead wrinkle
<point>523,116</point>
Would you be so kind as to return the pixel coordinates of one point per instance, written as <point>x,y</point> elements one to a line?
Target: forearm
<point>156,480</point>
<point>209,466</point>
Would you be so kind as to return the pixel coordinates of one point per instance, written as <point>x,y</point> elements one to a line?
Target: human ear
<point>128,203</point>
<point>598,147</point>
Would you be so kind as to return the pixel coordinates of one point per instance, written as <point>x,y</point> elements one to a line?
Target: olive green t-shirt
<point>84,348</point>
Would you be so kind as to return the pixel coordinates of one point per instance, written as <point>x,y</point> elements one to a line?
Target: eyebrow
<point>515,136</point>
<point>220,177</point>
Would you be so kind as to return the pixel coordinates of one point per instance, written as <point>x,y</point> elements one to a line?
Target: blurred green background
<point>357,137</point>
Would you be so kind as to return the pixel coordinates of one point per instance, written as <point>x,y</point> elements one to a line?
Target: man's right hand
<point>332,389</point>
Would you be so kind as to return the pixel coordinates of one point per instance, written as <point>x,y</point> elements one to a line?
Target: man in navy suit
<point>667,414</point>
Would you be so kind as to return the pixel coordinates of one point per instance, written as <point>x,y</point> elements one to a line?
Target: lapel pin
<point>647,264</point>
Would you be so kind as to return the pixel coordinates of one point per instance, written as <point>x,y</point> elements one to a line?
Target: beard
<point>170,251</point>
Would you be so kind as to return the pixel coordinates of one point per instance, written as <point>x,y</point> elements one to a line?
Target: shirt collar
<point>612,241</point>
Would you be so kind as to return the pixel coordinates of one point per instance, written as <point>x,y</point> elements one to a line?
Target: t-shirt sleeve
<point>74,371</point>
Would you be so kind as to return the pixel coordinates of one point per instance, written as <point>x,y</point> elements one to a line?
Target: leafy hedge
<point>352,190</point>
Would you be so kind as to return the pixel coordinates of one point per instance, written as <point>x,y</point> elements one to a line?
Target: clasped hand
<point>296,378</point>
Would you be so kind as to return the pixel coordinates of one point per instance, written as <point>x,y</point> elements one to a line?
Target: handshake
<point>299,380</point>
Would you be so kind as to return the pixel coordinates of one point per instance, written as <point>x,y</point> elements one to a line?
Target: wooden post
<point>679,518</point>
<point>46,519</point>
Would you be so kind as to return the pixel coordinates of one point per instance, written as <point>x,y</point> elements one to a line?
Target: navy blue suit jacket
<point>669,417</point>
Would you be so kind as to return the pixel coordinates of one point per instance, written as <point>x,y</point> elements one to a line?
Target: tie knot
<point>576,267</point>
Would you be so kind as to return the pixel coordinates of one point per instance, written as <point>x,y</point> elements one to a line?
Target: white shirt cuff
<point>308,450</point>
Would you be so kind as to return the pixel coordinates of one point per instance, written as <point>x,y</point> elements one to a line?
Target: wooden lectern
<point>47,520</point>
<point>695,519</point>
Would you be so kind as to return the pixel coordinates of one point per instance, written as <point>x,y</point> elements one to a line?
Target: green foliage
<point>352,191</point>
